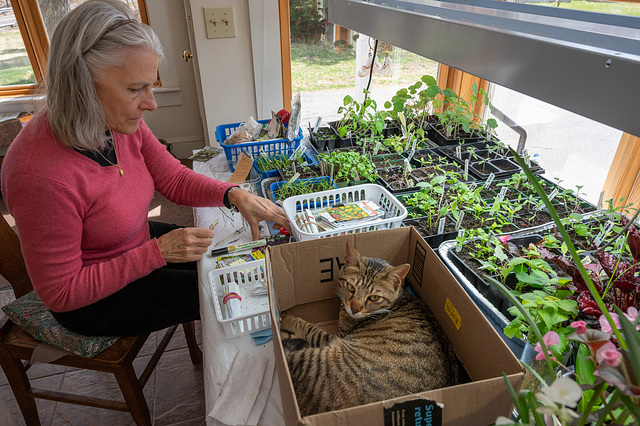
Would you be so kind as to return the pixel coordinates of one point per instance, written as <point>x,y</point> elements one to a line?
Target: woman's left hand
<point>254,209</point>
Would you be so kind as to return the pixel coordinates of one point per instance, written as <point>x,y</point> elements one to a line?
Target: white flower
<point>563,391</point>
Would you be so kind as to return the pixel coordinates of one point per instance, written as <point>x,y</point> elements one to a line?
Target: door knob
<point>187,56</point>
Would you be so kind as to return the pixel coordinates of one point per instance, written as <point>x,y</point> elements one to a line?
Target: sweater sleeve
<point>177,182</point>
<point>50,231</point>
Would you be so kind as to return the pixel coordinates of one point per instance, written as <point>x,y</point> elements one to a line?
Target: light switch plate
<point>219,22</point>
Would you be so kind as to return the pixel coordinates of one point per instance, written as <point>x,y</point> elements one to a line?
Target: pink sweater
<point>83,228</point>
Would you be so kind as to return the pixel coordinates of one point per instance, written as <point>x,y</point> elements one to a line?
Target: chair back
<point>12,266</point>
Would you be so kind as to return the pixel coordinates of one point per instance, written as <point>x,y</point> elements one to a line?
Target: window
<point>25,28</point>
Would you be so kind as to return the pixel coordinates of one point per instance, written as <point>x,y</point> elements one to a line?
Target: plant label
<point>315,128</point>
<point>459,151</point>
<point>527,160</point>
<point>459,223</point>
<point>466,169</point>
<point>441,223</point>
<point>461,233</point>
<point>472,186</point>
<point>503,193</point>
<point>600,200</point>
<point>263,154</point>
<point>294,177</point>
<point>553,194</point>
<point>377,148</point>
<point>408,144</point>
<point>489,180</point>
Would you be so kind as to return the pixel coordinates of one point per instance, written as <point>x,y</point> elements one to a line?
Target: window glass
<point>572,149</point>
<point>615,8</point>
<point>54,10</point>
<point>15,68</point>
<point>329,62</point>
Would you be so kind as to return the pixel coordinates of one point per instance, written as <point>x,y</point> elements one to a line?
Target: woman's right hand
<point>185,244</point>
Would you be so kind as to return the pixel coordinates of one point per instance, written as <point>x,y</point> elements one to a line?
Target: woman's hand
<point>254,209</point>
<point>185,244</point>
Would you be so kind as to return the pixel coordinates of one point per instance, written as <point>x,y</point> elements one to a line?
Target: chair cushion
<point>30,314</point>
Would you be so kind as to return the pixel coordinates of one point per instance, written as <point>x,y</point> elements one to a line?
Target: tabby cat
<point>388,344</point>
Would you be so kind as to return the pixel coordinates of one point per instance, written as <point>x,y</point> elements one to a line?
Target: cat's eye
<point>351,288</point>
<point>374,297</point>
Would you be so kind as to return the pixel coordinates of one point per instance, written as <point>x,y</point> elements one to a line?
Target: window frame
<point>36,41</point>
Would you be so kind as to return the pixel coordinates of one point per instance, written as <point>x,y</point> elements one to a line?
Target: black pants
<point>165,297</point>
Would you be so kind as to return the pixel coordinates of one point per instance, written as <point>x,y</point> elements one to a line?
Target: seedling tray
<point>277,185</point>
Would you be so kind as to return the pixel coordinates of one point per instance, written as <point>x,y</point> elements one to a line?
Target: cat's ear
<point>397,274</point>
<point>352,257</point>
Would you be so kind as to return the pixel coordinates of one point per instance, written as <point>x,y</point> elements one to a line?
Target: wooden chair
<point>16,345</point>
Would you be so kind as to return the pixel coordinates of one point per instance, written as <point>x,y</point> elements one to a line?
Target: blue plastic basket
<point>252,149</point>
<point>274,172</point>
<point>276,185</point>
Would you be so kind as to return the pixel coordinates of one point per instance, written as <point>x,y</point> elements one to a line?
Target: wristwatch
<point>226,202</point>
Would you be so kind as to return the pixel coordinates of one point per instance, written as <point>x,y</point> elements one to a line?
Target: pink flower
<point>609,354</point>
<point>632,315</point>
<point>580,326</point>
<point>604,324</point>
<point>504,239</point>
<point>550,338</point>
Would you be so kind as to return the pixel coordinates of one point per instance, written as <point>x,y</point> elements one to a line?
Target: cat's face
<point>367,285</point>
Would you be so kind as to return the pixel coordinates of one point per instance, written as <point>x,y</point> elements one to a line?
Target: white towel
<point>263,395</point>
<point>238,395</point>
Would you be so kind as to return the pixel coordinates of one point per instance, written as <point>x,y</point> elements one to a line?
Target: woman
<point>80,176</point>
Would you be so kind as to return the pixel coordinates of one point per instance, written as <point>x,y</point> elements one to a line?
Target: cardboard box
<point>302,277</point>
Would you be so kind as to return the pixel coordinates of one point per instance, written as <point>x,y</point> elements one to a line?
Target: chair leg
<point>17,376</point>
<point>190,335</point>
<point>133,396</point>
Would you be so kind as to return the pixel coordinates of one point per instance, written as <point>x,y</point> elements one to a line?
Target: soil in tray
<point>530,219</point>
<point>505,165</point>
<point>394,179</point>
<point>385,161</point>
<point>423,174</point>
<point>425,230</point>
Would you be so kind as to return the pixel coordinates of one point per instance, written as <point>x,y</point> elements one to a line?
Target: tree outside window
<point>25,29</point>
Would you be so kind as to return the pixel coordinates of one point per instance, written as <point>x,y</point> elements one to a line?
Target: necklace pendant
<point>121,171</point>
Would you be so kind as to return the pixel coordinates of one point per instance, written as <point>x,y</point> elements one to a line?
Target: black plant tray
<point>484,145</point>
<point>394,190</point>
<point>434,241</point>
<point>440,139</point>
<point>346,142</point>
<point>485,288</point>
<point>324,140</point>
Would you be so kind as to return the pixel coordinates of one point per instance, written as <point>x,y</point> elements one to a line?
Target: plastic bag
<point>294,118</point>
<point>247,132</point>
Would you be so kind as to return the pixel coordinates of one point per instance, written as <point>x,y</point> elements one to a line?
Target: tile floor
<point>175,391</point>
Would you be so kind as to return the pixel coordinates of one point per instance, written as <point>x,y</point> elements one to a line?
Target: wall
<point>234,77</point>
<point>177,119</point>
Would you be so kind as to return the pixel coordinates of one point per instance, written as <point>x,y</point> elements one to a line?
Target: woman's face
<point>125,90</point>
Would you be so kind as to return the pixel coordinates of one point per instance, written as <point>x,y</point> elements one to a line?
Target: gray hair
<point>88,40</point>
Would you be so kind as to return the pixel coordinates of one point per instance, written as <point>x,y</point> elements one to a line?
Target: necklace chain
<point>115,151</point>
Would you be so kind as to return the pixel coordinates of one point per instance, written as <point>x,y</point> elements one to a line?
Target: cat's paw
<point>288,326</point>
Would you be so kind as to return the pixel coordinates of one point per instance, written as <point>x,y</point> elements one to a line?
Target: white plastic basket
<point>395,212</point>
<point>253,313</point>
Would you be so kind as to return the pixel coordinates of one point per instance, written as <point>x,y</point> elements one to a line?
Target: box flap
<point>475,340</point>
